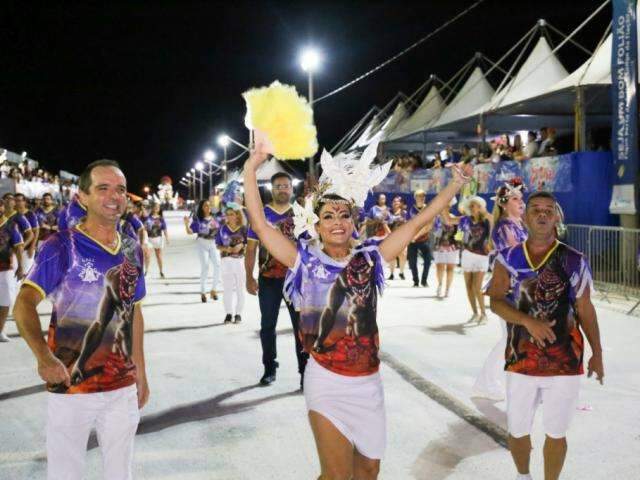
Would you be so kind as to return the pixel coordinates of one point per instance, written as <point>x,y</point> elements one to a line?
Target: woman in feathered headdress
<point>335,285</point>
<point>508,230</point>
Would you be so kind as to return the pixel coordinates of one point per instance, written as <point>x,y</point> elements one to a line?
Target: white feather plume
<point>351,179</point>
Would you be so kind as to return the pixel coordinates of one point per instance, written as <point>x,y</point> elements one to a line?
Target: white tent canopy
<point>431,107</point>
<point>541,70</point>
<point>399,114</point>
<point>368,132</point>
<point>474,93</point>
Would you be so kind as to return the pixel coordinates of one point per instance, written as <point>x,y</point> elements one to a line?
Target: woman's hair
<point>332,198</point>
<point>159,209</point>
<point>200,209</point>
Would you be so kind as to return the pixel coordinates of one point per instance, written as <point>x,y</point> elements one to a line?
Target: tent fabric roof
<point>390,124</point>
<point>541,70</point>
<point>368,132</point>
<point>474,93</point>
<point>432,105</point>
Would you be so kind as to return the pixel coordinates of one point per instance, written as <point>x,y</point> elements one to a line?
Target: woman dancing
<point>206,227</point>
<point>335,285</point>
<point>156,233</point>
<point>475,254</point>
<point>508,230</point>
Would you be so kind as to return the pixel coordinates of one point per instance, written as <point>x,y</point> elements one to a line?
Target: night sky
<point>151,84</point>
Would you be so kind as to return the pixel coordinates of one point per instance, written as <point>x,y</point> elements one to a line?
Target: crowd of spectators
<point>34,182</point>
<point>503,148</point>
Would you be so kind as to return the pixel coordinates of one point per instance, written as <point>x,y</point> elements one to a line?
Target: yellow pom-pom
<point>286,119</point>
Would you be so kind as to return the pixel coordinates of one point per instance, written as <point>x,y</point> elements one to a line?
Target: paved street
<point>209,419</point>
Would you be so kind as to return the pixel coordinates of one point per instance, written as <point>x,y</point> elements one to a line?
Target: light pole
<point>200,167</point>
<point>309,62</point>
<point>190,180</point>
<point>223,141</point>
<point>209,157</point>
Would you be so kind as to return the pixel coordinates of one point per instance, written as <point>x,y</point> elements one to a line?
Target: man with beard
<point>47,218</point>
<point>541,288</point>
<point>93,358</point>
<point>270,282</point>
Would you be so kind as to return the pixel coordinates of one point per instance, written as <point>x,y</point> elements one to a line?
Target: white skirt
<point>450,258</point>
<point>157,242</point>
<point>354,405</point>
<point>473,262</point>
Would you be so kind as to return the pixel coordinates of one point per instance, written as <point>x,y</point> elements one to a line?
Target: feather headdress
<point>344,176</point>
<point>352,180</point>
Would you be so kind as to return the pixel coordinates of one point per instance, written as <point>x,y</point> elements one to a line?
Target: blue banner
<point>624,106</point>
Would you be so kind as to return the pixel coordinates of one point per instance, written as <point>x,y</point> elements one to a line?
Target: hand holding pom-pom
<point>285,118</point>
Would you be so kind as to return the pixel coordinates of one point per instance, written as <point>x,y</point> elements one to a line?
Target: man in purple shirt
<point>29,247</point>
<point>270,282</point>
<point>70,216</point>
<point>10,245</point>
<point>93,358</point>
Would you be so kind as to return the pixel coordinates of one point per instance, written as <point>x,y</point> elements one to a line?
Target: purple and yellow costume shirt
<point>547,292</point>
<point>337,301</point>
<point>227,237</point>
<point>93,290</point>
<point>283,221</point>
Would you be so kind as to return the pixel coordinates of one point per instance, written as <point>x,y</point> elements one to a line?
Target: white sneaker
<point>473,319</point>
<point>482,319</point>
<point>439,291</point>
<point>526,476</point>
<point>4,338</point>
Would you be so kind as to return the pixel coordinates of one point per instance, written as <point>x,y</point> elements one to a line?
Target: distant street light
<point>209,157</point>
<point>310,60</point>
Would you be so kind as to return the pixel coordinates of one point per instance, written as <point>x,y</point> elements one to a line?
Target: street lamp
<point>209,157</point>
<point>223,141</point>
<point>310,60</point>
<point>199,167</point>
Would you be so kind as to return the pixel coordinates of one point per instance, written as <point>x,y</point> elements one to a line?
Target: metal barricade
<point>613,255</point>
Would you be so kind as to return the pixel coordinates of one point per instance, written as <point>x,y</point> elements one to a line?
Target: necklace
<point>111,244</point>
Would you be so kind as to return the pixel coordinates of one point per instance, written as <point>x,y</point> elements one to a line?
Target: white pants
<point>233,284</point>
<point>559,398</point>
<point>70,419</point>
<point>27,261</point>
<point>8,288</point>
<point>490,383</point>
<point>208,255</point>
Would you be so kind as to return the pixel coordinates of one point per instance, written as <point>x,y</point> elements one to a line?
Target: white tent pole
<point>500,60</point>
<point>530,36</point>
<point>461,74</point>
<point>356,129</point>
<point>561,44</point>
<point>604,37</point>
<point>554,29</point>
<point>513,66</point>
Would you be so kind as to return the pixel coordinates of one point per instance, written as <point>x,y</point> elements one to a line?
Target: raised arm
<point>393,245</point>
<point>272,239</point>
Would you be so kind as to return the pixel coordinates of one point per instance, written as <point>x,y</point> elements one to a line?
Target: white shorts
<point>70,419</point>
<point>8,288</point>
<point>450,258</point>
<point>157,242</point>
<point>559,398</point>
<point>354,405</point>
<point>472,262</point>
